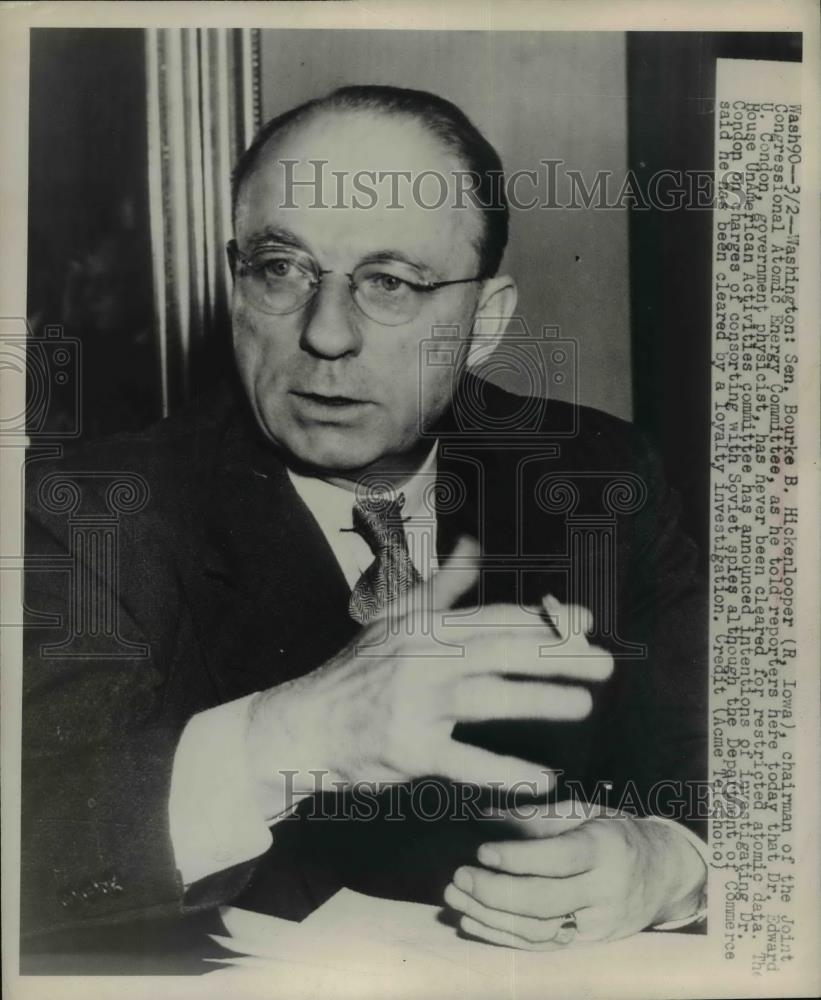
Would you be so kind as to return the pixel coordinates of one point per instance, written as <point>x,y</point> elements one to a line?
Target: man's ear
<point>497,303</point>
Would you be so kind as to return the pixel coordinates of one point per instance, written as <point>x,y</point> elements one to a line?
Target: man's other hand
<point>615,874</point>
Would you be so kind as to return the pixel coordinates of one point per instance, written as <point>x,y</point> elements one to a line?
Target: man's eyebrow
<point>399,256</point>
<point>286,237</point>
<point>276,234</point>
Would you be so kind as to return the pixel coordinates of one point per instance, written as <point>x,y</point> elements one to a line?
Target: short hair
<point>443,119</point>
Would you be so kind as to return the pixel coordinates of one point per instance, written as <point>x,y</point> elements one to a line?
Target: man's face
<point>335,389</point>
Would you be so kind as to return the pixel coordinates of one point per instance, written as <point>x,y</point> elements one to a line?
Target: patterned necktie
<point>392,572</point>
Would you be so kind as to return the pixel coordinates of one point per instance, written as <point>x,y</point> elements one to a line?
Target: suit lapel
<point>269,597</point>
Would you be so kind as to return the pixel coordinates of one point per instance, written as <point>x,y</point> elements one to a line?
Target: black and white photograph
<point>410,500</point>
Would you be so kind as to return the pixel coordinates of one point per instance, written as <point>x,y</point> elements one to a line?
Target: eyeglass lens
<point>280,284</point>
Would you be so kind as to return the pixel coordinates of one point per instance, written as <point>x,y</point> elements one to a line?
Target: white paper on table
<point>357,942</point>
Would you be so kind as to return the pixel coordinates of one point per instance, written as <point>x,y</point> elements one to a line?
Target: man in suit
<point>367,569</point>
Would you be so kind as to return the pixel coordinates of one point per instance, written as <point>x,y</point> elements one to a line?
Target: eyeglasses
<point>280,280</point>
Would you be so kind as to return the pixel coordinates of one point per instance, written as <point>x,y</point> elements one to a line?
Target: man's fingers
<point>495,936</point>
<point>473,766</point>
<point>568,619</point>
<point>478,698</point>
<point>553,820</point>
<point>571,853</point>
<point>525,895</point>
<point>531,929</point>
<point>456,576</point>
<point>487,618</point>
<point>518,651</point>
<point>425,602</point>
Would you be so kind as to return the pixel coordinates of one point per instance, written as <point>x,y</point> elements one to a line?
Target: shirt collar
<point>331,505</point>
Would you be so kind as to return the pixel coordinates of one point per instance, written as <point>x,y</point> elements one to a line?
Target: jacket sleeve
<point>106,694</point>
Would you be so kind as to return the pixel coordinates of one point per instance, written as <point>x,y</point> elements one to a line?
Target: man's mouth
<point>321,399</point>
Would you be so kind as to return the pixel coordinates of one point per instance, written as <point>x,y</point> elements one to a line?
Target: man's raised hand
<point>384,708</point>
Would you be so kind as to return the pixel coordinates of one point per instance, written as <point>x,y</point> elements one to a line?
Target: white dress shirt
<point>216,819</point>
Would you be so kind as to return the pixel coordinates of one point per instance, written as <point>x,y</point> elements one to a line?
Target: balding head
<point>481,188</point>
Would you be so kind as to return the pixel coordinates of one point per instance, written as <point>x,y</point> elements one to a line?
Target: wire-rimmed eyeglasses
<point>280,280</point>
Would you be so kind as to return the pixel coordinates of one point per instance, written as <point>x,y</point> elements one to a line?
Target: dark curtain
<point>89,254</point>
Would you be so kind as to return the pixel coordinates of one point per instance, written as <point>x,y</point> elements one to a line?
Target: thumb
<point>458,574</point>
<point>551,820</point>
<point>439,592</point>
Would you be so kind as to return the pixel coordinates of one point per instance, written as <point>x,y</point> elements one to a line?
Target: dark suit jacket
<point>205,578</point>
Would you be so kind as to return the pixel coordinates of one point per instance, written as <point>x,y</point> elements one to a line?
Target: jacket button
<point>91,803</point>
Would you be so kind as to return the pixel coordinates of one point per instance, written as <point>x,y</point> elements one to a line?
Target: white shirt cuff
<point>701,847</point>
<point>215,820</point>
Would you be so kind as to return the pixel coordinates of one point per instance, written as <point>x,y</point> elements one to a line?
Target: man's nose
<point>329,329</point>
